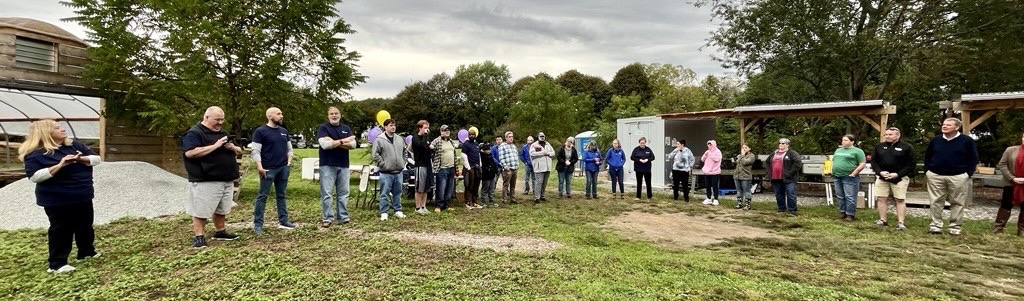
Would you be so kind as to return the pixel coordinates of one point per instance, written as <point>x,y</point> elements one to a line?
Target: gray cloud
<point>405,41</point>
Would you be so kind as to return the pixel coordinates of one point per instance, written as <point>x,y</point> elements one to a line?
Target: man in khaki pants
<point>950,160</point>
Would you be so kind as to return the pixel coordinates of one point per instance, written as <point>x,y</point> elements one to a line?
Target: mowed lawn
<point>816,257</point>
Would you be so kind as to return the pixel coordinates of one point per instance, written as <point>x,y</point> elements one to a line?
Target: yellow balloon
<point>382,116</point>
<point>474,131</point>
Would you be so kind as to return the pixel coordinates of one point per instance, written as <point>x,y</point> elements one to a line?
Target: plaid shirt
<point>509,156</point>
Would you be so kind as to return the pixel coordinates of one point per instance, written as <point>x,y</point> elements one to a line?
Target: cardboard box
<point>861,202</point>
<point>986,170</point>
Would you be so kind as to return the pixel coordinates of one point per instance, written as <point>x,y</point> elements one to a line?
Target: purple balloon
<point>463,135</point>
<point>408,140</point>
<point>373,133</point>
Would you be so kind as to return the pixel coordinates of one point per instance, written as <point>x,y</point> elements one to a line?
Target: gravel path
<point>122,189</point>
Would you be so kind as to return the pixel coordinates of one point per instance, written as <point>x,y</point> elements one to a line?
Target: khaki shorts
<point>208,198</point>
<point>898,190</point>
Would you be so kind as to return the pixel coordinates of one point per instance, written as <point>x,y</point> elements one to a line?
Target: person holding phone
<point>62,170</point>
<point>209,154</point>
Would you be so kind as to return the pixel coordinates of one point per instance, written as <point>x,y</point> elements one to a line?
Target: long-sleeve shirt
<point>524,154</point>
<point>615,157</point>
<point>642,153</point>
<point>540,156</point>
<point>950,157</point>
<point>682,160</point>
<point>508,155</point>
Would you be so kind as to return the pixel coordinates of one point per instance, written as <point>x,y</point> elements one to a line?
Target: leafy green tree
<point>579,83</point>
<point>167,60</point>
<point>544,106</point>
<point>632,79</point>
<point>674,88</point>
<point>482,89</point>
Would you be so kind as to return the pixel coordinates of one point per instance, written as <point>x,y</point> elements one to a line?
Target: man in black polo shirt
<point>212,170</point>
<point>893,163</point>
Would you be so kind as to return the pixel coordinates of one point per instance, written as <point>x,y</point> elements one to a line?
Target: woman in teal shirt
<point>847,162</point>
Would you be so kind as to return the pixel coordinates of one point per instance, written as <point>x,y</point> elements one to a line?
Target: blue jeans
<point>743,189</point>
<point>528,178</point>
<point>390,183</point>
<point>846,193</point>
<point>334,179</point>
<point>445,180</point>
<point>565,180</point>
<point>279,178</point>
<point>591,187</point>
<point>616,174</point>
<point>785,195</point>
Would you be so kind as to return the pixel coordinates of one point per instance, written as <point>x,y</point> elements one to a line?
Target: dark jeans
<point>445,181</point>
<point>279,178</point>
<point>1007,201</point>
<point>616,175</point>
<point>69,223</point>
<point>643,178</point>
<point>785,195</point>
<point>680,181</point>
<point>472,182</point>
<point>711,186</point>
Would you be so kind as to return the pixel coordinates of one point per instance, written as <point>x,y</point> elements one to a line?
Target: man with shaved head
<point>272,152</point>
<point>212,169</point>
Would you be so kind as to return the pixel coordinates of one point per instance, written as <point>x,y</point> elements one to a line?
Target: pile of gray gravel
<point>123,189</point>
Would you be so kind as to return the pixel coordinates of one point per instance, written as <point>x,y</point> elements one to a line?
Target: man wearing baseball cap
<point>540,157</point>
<point>447,156</point>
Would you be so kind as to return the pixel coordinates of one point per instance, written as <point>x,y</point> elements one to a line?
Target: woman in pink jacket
<point>712,169</point>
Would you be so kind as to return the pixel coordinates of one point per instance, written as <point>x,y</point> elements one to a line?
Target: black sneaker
<point>224,235</point>
<point>199,242</point>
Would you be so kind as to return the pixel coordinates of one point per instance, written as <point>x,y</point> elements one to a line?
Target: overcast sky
<point>405,41</point>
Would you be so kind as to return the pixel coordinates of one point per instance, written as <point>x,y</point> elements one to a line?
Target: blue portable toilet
<point>582,139</point>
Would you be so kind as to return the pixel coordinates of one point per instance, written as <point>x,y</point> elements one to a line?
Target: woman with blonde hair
<point>62,171</point>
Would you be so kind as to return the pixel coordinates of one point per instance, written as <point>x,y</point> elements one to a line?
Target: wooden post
<point>966,122</point>
<point>884,122</point>
<point>743,131</point>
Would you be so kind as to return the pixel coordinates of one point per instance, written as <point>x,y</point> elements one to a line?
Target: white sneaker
<point>63,269</point>
<point>954,231</point>
<point>707,202</point>
<point>714,202</point>
<point>399,214</point>
<point>421,211</point>
<point>934,229</point>
<point>383,217</point>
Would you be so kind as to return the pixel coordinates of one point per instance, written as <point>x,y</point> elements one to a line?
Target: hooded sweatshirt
<point>712,159</point>
<point>389,153</point>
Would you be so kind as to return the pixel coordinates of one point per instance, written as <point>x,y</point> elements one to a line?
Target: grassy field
<point>816,258</point>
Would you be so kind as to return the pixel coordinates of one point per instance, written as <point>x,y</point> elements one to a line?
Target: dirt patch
<point>496,243</point>
<point>678,230</point>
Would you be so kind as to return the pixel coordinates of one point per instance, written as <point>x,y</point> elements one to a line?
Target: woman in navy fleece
<point>62,171</point>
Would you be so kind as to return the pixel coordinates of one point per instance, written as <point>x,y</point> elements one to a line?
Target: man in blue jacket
<point>950,160</point>
<point>524,155</point>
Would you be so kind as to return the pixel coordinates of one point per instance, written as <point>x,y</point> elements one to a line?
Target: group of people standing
<point>62,169</point>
